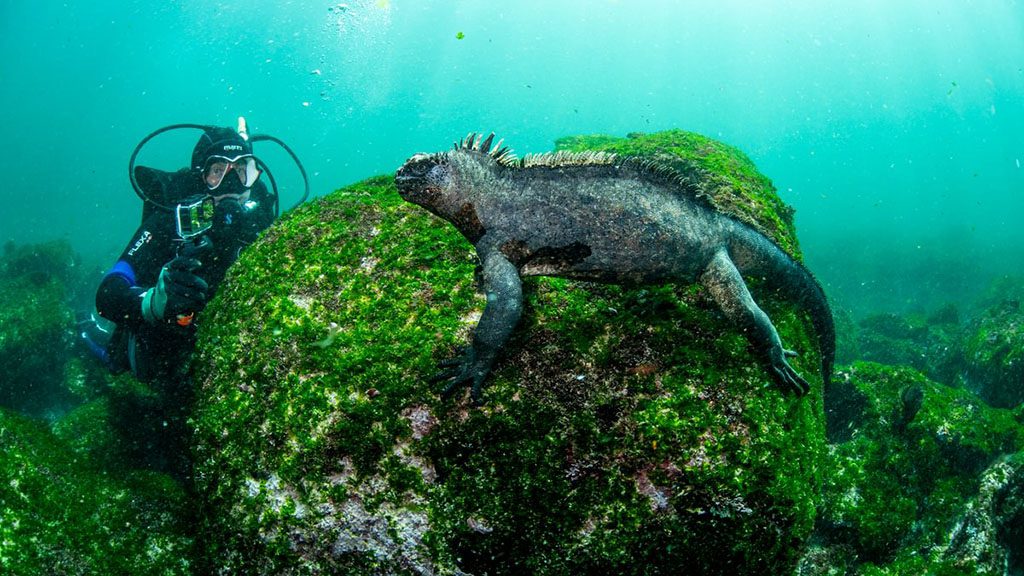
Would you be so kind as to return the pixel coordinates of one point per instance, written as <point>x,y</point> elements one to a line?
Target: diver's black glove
<point>179,293</point>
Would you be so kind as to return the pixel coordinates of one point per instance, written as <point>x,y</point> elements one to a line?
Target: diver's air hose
<point>252,137</point>
<point>302,169</point>
<point>131,161</point>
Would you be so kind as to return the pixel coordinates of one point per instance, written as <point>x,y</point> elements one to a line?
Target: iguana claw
<point>784,374</point>
<point>460,371</point>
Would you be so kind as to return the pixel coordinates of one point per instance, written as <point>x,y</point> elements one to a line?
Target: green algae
<point>929,344</point>
<point>896,488</point>
<point>626,430</point>
<point>68,504</point>
<point>993,352</point>
<point>86,431</point>
<point>61,512</point>
<point>34,321</point>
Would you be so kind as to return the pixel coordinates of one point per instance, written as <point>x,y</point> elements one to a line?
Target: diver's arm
<point>119,297</point>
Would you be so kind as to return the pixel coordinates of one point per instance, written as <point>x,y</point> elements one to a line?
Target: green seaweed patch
<point>39,263</point>
<point>60,513</point>
<point>722,173</point>
<point>928,344</point>
<point>87,431</point>
<point>993,352</point>
<point>912,461</point>
<point>574,432</point>
<point>34,335</point>
<point>624,426</point>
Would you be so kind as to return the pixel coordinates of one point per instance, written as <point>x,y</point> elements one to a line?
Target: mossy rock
<point>629,431</point>
<point>87,432</point>
<point>35,323</point>
<point>928,344</point>
<point>1001,289</point>
<point>913,460</point>
<point>989,538</point>
<point>62,514</point>
<point>721,173</point>
<point>121,430</point>
<point>994,355</point>
<point>54,260</point>
<point>847,336</point>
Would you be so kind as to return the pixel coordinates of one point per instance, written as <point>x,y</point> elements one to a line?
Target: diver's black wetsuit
<point>156,352</point>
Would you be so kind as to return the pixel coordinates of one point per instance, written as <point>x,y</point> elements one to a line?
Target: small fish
<point>459,35</point>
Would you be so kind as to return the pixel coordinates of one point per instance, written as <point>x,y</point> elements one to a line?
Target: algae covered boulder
<point>993,352</point>
<point>930,344</point>
<point>61,512</point>
<point>913,457</point>
<point>626,430</point>
<point>989,537</point>
<point>35,321</point>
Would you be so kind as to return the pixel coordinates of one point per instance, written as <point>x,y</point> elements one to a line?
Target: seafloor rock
<point>930,344</point>
<point>847,344</point>
<point>910,461</point>
<point>626,431</point>
<point>989,538</point>
<point>61,512</point>
<point>35,328</point>
<point>994,355</point>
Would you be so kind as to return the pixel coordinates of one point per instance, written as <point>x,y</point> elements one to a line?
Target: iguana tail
<point>758,257</point>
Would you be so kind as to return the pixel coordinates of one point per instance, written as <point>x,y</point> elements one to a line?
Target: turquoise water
<point>894,129</point>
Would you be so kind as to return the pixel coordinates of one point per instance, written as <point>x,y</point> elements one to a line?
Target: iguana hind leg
<point>730,292</point>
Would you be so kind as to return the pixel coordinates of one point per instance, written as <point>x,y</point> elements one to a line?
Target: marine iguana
<point>601,217</point>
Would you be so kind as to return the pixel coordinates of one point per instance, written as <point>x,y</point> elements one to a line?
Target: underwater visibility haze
<point>894,130</point>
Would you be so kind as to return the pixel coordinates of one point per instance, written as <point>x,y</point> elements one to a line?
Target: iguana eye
<point>420,171</point>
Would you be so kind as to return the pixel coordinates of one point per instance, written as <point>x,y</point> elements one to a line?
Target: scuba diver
<point>195,222</point>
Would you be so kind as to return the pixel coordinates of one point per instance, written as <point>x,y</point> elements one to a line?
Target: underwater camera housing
<point>188,205</point>
<point>194,216</point>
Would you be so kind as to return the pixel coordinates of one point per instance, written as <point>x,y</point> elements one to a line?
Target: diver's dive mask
<point>218,167</point>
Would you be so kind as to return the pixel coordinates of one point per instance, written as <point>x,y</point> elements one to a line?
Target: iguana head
<point>442,182</point>
<point>423,179</point>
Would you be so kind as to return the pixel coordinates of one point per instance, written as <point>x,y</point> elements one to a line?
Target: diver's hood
<point>221,143</point>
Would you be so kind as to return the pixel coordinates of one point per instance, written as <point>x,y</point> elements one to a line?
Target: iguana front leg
<point>504,292</point>
<point>730,292</point>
